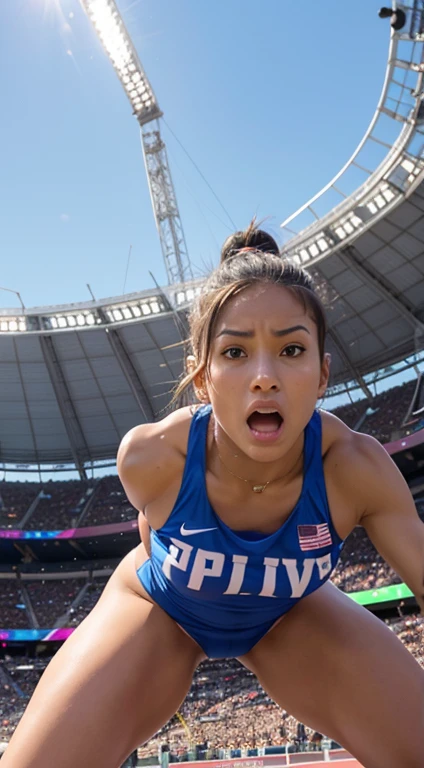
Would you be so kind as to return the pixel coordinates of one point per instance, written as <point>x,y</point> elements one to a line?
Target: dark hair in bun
<point>247,258</point>
<point>251,239</point>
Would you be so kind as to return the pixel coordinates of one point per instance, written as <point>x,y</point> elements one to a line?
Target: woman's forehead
<point>262,302</point>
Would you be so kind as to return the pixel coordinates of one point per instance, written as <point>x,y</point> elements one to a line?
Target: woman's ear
<point>198,381</point>
<point>325,374</point>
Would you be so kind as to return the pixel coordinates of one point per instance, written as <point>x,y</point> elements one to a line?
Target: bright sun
<point>55,11</point>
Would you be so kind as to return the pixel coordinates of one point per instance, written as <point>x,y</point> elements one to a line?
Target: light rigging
<point>113,35</point>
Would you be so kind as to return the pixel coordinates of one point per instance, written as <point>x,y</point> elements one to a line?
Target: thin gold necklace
<point>255,488</point>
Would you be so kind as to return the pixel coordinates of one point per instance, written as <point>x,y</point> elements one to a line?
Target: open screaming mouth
<point>264,422</point>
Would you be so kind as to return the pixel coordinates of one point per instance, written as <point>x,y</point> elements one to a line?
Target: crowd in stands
<point>351,413</point>
<point>410,630</point>
<point>91,596</point>
<point>64,566</point>
<point>110,504</point>
<point>59,506</point>
<point>225,708</point>
<point>389,410</point>
<point>16,687</point>
<point>13,606</point>
<point>361,566</point>
<point>385,414</point>
<point>64,504</point>
<point>41,603</point>
<point>15,499</point>
<point>51,599</point>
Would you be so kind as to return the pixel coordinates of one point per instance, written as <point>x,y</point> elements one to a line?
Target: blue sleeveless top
<point>204,573</point>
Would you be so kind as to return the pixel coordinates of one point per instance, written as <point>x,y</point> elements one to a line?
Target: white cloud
<point>65,217</point>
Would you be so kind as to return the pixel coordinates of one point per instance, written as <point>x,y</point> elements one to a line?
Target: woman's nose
<point>265,377</point>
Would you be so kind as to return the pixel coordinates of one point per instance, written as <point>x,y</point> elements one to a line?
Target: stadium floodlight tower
<point>111,30</point>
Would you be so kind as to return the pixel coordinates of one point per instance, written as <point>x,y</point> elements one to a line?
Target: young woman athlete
<point>246,500</point>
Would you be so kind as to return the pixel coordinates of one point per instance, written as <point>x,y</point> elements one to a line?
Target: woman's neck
<point>234,467</point>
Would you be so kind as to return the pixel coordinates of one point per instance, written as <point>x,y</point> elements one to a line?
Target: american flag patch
<point>314,536</point>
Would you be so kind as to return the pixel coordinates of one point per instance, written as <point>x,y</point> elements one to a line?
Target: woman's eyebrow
<point>250,334</point>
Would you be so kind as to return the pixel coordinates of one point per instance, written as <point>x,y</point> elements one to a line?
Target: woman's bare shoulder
<point>337,436</point>
<point>339,452</point>
<point>166,433</point>
<point>151,456</point>
<point>334,431</point>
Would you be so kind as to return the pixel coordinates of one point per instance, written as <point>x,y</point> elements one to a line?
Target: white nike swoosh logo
<point>192,531</point>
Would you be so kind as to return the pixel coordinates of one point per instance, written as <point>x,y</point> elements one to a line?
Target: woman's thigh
<point>119,677</point>
<point>340,670</point>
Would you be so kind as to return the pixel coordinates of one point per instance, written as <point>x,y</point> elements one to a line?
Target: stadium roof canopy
<point>75,378</point>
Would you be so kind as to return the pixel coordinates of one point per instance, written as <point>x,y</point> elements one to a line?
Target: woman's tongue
<point>264,422</point>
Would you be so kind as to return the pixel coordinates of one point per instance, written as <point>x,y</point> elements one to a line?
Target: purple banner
<point>405,442</point>
<point>22,635</point>
<point>72,533</point>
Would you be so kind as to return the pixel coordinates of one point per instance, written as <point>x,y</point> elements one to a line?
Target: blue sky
<point>268,98</point>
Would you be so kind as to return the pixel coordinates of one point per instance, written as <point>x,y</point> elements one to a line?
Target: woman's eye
<point>233,353</point>
<point>293,350</point>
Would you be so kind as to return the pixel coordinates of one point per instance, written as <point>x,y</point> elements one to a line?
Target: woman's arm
<point>149,462</point>
<point>385,507</point>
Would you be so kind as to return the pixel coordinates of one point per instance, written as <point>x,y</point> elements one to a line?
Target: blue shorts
<point>216,642</point>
